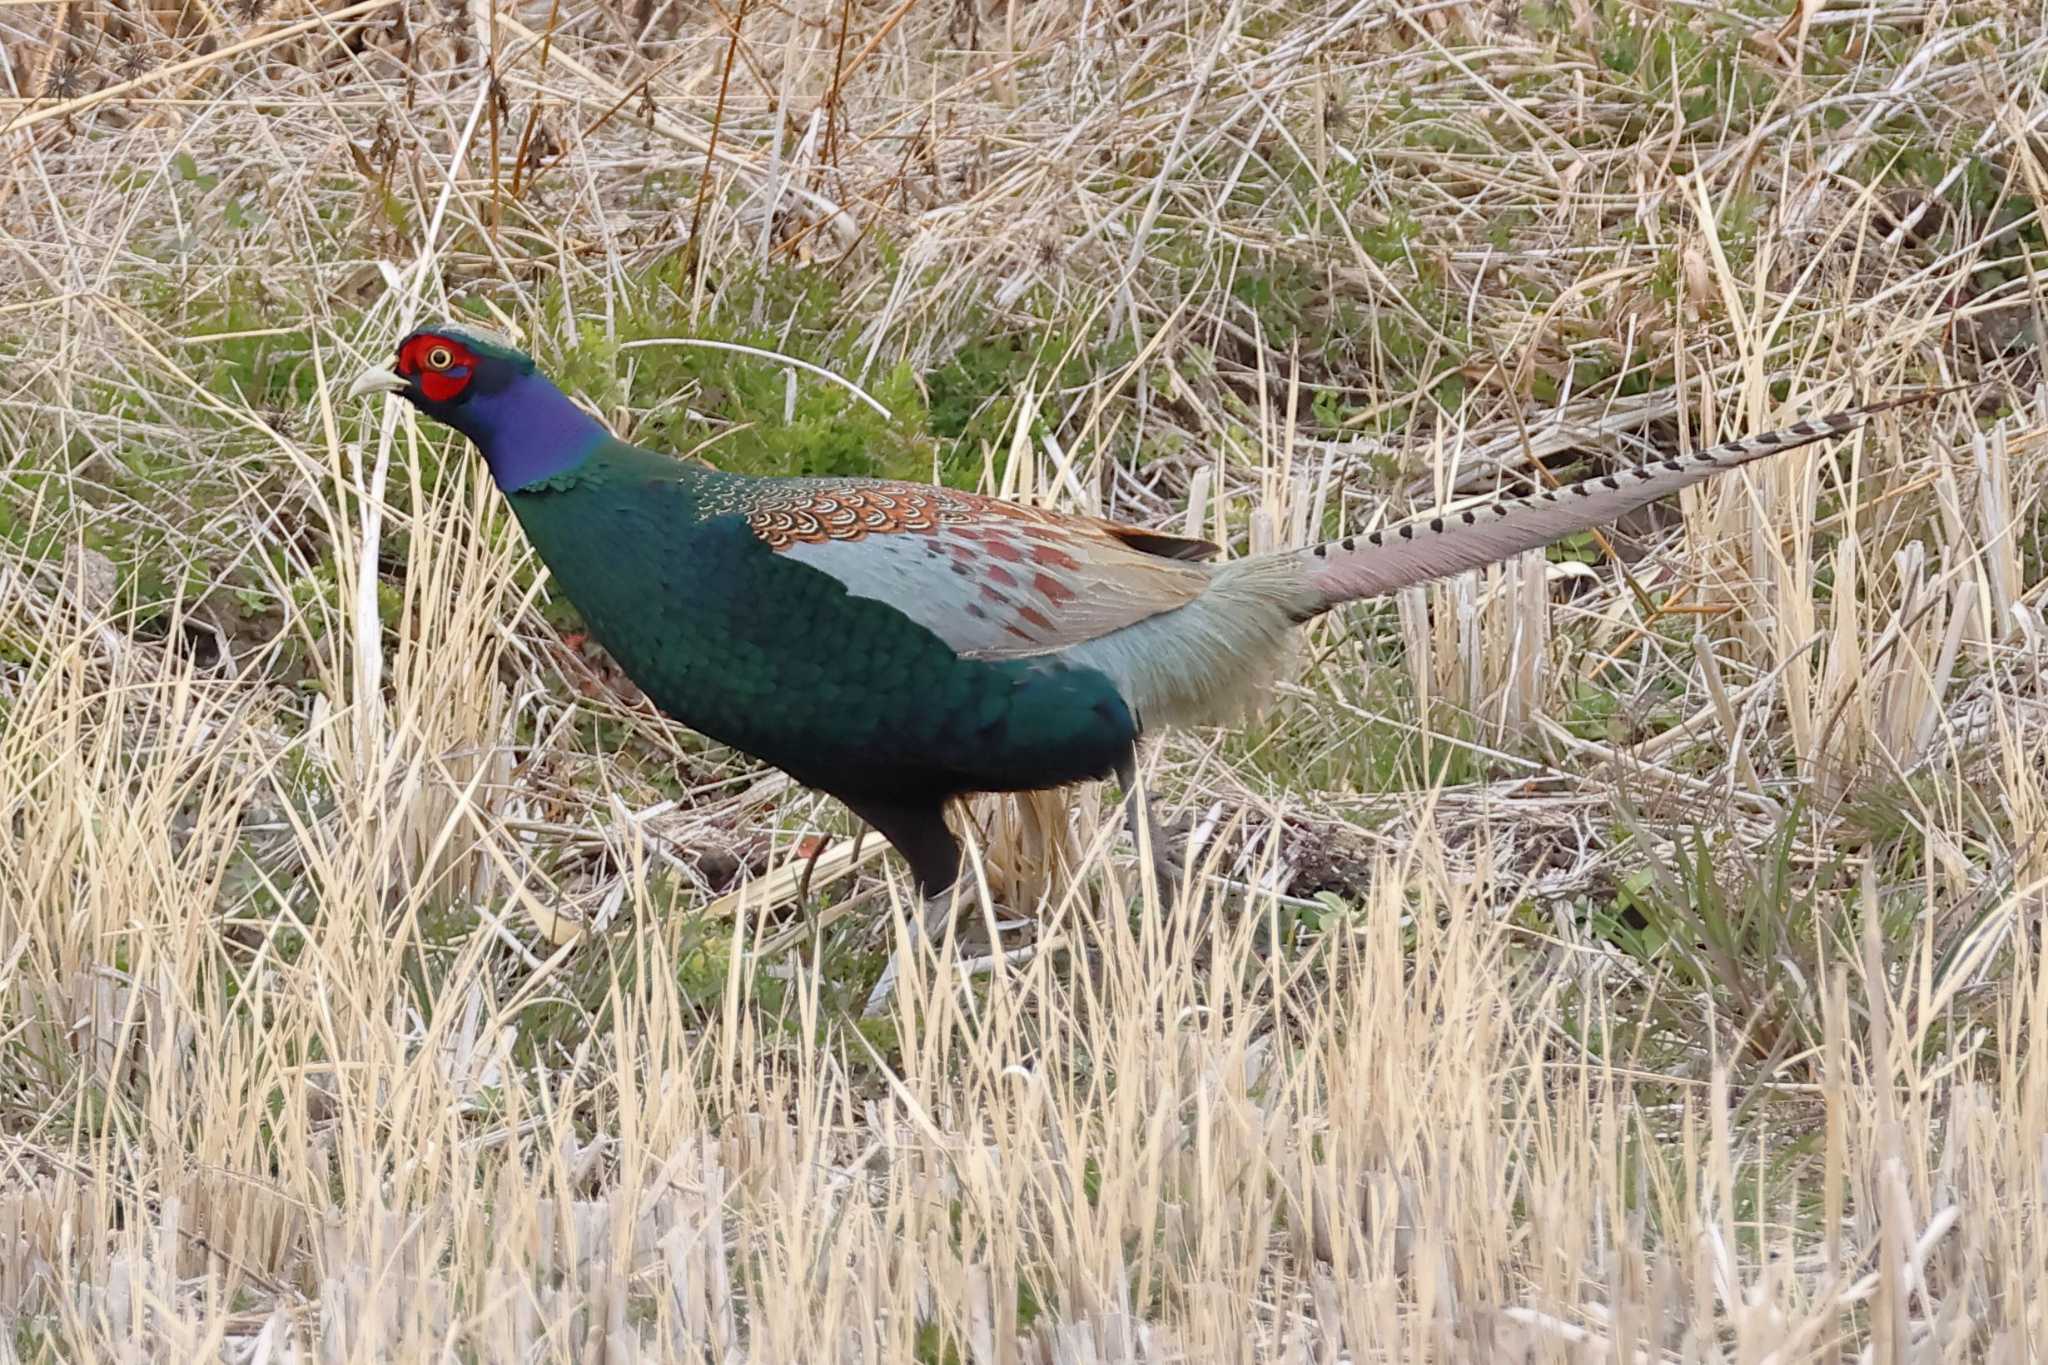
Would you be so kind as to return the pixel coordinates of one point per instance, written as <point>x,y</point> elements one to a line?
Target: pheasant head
<point>527,429</point>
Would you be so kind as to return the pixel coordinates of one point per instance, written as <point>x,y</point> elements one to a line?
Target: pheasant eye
<point>440,358</point>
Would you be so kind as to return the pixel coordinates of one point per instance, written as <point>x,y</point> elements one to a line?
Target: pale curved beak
<point>376,381</point>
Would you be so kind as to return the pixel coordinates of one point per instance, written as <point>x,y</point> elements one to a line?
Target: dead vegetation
<point>1630,954</point>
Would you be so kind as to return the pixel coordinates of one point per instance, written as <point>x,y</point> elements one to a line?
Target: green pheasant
<point>897,645</point>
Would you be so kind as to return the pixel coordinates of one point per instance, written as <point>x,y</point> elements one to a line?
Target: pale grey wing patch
<point>1007,589</point>
<point>913,573</point>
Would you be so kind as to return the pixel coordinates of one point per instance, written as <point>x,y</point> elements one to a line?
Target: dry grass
<point>1590,964</point>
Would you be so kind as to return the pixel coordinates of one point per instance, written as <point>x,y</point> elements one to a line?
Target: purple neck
<point>527,431</point>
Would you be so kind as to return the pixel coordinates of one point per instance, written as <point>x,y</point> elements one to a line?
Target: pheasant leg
<point>1167,865</point>
<point>927,922</point>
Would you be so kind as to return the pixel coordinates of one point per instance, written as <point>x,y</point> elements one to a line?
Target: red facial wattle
<point>441,367</point>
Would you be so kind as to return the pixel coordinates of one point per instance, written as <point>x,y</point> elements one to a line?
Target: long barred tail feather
<point>1415,552</point>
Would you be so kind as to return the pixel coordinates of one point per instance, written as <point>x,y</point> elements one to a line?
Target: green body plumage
<point>774,657</point>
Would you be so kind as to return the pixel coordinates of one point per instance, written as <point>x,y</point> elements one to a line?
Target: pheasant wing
<point>992,579</point>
